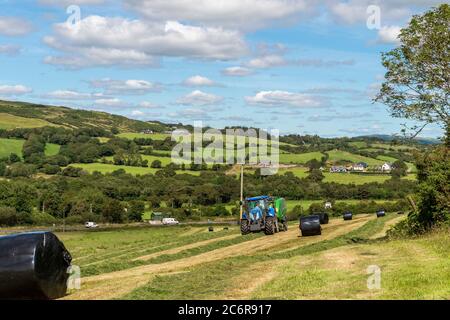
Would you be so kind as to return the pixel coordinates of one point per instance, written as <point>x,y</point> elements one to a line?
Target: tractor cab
<point>263,213</point>
<point>251,206</point>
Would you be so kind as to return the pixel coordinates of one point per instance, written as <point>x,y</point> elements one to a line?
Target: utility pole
<point>242,191</point>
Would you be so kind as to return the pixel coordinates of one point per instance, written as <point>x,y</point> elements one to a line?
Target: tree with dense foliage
<point>417,87</point>
<point>13,158</point>
<point>156,164</point>
<point>136,210</point>
<point>417,81</point>
<point>113,211</point>
<point>316,175</point>
<point>399,169</point>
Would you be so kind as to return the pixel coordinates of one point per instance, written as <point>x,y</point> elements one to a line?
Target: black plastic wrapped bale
<point>211,229</point>
<point>324,218</point>
<point>381,213</point>
<point>33,266</point>
<point>310,226</point>
<point>348,216</point>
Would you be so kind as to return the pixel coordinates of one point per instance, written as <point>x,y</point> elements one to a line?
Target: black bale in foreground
<point>33,266</point>
<point>310,226</point>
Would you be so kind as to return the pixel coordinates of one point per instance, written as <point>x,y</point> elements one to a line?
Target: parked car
<point>170,221</point>
<point>91,225</point>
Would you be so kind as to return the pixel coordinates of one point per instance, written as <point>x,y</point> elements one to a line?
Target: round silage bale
<point>33,266</point>
<point>310,226</point>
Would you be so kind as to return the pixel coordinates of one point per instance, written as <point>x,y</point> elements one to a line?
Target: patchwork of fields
<point>188,262</point>
<point>8,146</point>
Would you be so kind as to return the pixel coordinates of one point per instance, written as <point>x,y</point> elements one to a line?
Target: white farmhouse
<point>386,167</point>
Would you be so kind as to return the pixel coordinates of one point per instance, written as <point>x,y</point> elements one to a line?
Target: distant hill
<point>28,115</point>
<point>386,137</point>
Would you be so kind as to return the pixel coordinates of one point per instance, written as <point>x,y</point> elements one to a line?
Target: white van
<point>169,221</point>
<point>90,225</point>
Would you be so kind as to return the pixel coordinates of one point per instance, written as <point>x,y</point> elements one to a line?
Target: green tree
<point>51,169</point>
<point>136,210</point>
<point>73,172</point>
<point>417,87</point>
<point>417,81</point>
<point>156,164</point>
<point>2,169</point>
<point>434,189</point>
<point>316,175</point>
<point>20,169</point>
<point>8,216</point>
<point>313,164</point>
<point>399,169</point>
<point>13,158</point>
<point>113,211</point>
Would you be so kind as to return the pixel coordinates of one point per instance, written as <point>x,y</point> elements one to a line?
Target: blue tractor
<point>264,213</point>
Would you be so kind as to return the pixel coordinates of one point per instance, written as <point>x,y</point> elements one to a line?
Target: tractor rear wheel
<point>269,228</point>
<point>245,227</point>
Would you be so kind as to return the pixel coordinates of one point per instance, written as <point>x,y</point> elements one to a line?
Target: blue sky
<point>300,66</point>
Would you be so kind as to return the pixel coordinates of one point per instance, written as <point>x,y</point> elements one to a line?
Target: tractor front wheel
<point>245,227</point>
<point>270,227</point>
<point>285,226</point>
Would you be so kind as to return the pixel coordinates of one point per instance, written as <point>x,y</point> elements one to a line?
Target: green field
<point>188,262</point>
<point>299,158</point>
<point>358,144</point>
<point>154,136</point>
<point>344,178</point>
<point>9,121</point>
<point>52,149</point>
<point>108,168</point>
<point>387,159</point>
<point>305,204</point>
<point>8,146</point>
<point>337,155</point>
<point>394,147</point>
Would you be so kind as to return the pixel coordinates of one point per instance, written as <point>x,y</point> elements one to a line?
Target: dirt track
<point>116,284</point>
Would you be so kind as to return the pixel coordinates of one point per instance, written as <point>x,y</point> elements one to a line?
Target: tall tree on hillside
<point>417,81</point>
<point>417,87</point>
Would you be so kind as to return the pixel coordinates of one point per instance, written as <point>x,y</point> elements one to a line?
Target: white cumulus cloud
<point>198,81</point>
<point>131,87</point>
<point>231,14</point>
<point>71,95</point>
<point>237,72</point>
<point>199,98</point>
<point>109,41</point>
<point>389,34</point>
<point>285,98</point>
<point>14,90</point>
<point>267,62</point>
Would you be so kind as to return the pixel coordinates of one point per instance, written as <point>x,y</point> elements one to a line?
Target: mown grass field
<point>305,204</point>
<point>188,262</point>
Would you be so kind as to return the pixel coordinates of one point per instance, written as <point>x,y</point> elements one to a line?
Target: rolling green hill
<point>29,115</point>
